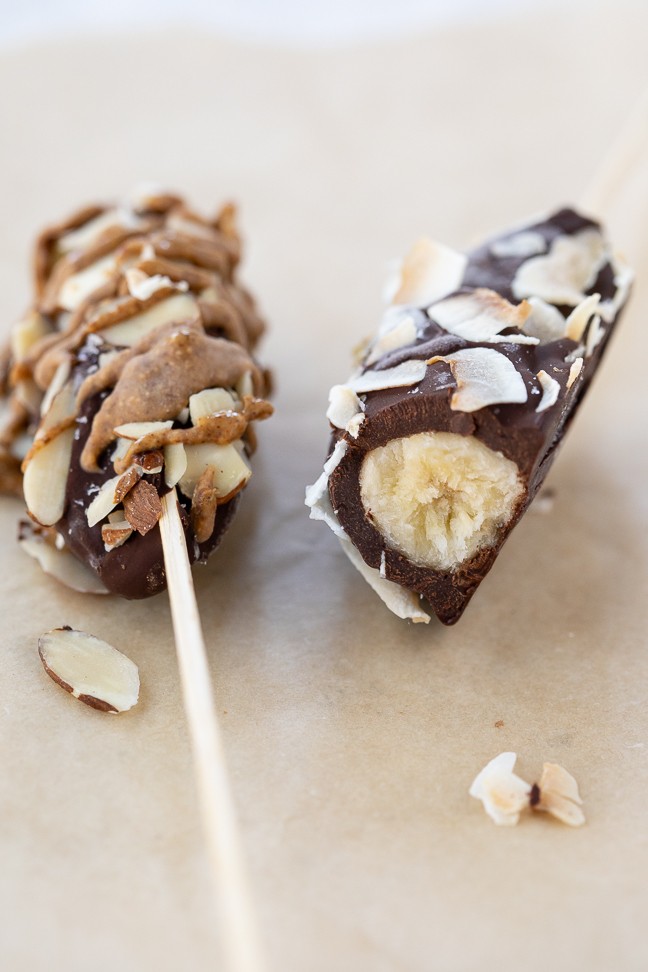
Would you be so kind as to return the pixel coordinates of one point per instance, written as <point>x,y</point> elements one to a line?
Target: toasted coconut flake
<point>479,315</point>
<point>407,373</point>
<point>545,322</point>
<point>90,669</point>
<point>429,272</point>
<point>63,566</point>
<point>550,391</point>
<point>595,334</point>
<point>579,318</point>
<point>175,463</point>
<point>566,272</point>
<point>503,794</point>
<point>137,430</point>
<point>559,796</point>
<point>317,495</point>
<point>574,371</point>
<point>143,507</point>
<point>344,409</point>
<point>484,377</point>
<point>45,479</point>
<point>623,277</point>
<point>396,332</point>
<point>401,602</point>
<point>525,244</point>
<point>208,402</point>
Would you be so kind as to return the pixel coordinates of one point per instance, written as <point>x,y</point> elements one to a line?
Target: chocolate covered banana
<point>446,431</point>
<point>133,374</point>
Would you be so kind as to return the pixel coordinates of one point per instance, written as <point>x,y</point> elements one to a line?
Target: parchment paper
<point>352,737</point>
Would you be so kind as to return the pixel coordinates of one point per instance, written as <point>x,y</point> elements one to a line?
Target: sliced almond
<point>231,471</point>
<point>175,463</point>
<point>245,385</point>
<point>45,479</point>
<point>62,407</point>
<point>143,507</point>
<point>137,430</point>
<point>429,272</point>
<point>142,287</point>
<point>484,377</point>
<point>27,333</point>
<point>63,566</point>
<point>61,375</point>
<point>208,402</point>
<point>77,287</point>
<point>90,669</point>
<point>103,502</point>
<point>179,308</point>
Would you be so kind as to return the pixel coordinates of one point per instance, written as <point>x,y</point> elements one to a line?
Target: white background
<point>320,22</point>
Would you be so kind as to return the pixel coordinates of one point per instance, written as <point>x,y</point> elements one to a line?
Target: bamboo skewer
<point>238,926</point>
<point>622,159</point>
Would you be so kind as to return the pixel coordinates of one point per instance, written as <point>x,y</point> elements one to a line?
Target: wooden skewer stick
<point>238,927</point>
<point>622,159</point>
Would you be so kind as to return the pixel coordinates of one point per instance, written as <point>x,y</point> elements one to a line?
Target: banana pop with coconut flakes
<point>446,431</point>
<point>132,374</point>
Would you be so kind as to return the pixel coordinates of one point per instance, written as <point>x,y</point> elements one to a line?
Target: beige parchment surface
<point>352,737</point>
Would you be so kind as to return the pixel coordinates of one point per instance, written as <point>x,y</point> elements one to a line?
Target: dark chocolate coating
<point>136,568</point>
<point>529,438</point>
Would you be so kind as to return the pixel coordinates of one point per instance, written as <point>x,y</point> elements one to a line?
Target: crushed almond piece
<point>142,507</point>
<point>126,483</point>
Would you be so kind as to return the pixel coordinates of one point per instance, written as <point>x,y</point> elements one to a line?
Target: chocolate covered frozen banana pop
<point>135,375</point>
<point>132,390</point>
<point>446,431</point>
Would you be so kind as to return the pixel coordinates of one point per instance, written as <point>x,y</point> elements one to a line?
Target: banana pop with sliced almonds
<point>446,431</point>
<point>132,374</point>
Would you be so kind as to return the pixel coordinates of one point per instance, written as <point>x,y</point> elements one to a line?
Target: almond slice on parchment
<point>90,669</point>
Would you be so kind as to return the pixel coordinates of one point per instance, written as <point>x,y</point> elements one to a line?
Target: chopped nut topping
<point>143,507</point>
<point>126,483</point>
